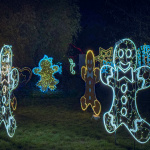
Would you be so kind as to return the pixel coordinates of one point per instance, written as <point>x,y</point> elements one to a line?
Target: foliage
<point>44,127</point>
<point>109,21</point>
<point>36,28</point>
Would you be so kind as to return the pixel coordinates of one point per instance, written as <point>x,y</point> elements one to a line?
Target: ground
<point>56,125</point>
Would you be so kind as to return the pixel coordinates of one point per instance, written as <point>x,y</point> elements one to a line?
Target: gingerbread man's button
<point>124,88</point>
<point>124,100</point>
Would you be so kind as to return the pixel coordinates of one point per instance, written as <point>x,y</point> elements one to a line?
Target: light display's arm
<point>36,70</point>
<point>55,68</point>
<point>14,76</point>
<point>96,74</point>
<point>106,77</point>
<point>143,77</point>
<point>83,72</point>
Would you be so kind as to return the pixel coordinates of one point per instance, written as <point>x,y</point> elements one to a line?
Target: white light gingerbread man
<point>8,82</point>
<point>126,80</point>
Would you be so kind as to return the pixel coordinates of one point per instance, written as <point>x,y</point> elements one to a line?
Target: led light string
<point>126,79</point>
<point>46,71</point>
<point>9,81</point>
<point>90,74</point>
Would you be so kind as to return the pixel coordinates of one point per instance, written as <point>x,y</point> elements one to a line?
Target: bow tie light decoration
<point>46,71</point>
<point>126,79</point>
<point>9,81</point>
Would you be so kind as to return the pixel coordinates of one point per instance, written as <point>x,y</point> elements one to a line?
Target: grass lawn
<point>57,124</point>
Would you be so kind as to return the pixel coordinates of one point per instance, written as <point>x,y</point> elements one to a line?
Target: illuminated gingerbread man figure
<point>126,80</point>
<point>9,81</point>
<point>46,72</point>
<point>90,74</point>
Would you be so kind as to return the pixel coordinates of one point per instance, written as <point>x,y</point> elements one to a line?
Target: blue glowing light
<point>46,71</point>
<point>125,80</point>
<point>9,81</point>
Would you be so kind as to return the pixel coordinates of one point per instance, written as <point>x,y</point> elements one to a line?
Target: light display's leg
<point>52,85</point>
<point>83,103</point>
<point>9,81</point>
<point>96,107</point>
<point>110,122</point>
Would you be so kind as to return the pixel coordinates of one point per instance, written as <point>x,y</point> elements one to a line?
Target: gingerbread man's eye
<point>91,61</point>
<point>88,61</point>
<point>128,53</point>
<point>120,53</point>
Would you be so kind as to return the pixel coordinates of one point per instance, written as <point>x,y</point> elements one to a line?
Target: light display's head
<point>6,56</point>
<point>90,62</point>
<point>45,62</point>
<point>125,54</point>
<point>105,53</point>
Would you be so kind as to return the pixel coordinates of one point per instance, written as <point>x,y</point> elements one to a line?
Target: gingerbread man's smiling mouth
<point>125,66</point>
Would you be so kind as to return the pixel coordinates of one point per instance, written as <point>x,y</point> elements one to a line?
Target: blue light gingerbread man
<point>126,80</point>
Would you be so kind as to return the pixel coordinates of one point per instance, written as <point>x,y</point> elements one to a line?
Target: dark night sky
<point>104,22</point>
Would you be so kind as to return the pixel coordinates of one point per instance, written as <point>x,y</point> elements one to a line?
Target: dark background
<point>38,27</point>
<point>61,29</point>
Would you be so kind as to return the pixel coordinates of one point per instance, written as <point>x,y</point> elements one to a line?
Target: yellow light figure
<point>90,74</point>
<point>46,72</point>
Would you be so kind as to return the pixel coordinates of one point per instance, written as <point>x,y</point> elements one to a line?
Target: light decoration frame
<point>9,81</point>
<point>90,74</point>
<point>72,65</point>
<point>126,80</point>
<point>46,71</point>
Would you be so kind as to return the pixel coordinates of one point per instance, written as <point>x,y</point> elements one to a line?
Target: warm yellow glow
<point>46,71</point>
<point>104,55</point>
<point>90,74</point>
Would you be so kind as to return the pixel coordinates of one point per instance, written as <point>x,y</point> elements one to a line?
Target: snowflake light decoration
<point>46,71</point>
<point>105,57</point>
<point>9,81</point>
<point>126,79</point>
